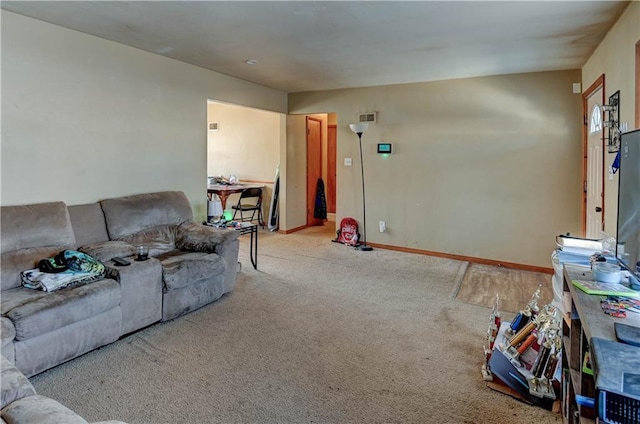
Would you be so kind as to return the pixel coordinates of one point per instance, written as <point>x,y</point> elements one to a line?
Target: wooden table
<point>225,190</point>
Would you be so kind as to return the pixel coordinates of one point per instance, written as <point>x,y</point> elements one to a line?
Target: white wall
<point>246,145</point>
<point>482,167</point>
<point>85,119</point>
<point>615,58</point>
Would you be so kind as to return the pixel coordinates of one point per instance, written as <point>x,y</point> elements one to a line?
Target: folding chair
<point>250,201</point>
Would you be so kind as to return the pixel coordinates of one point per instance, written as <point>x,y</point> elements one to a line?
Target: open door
<point>314,166</point>
<point>293,176</point>
<point>332,149</point>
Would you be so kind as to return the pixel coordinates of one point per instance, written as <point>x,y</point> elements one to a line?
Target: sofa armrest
<point>194,237</point>
<point>141,293</point>
<point>7,336</point>
<point>21,404</point>
<point>39,409</point>
<point>15,385</point>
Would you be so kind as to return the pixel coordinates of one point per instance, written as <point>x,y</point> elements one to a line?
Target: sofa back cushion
<point>159,239</point>
<point>88,224</point>
<point>13,263</point>
<point>38,225</point>
<point>129,215</point>
<point>31,233</point>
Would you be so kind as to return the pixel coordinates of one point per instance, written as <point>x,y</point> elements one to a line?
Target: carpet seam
<point>459,278</point>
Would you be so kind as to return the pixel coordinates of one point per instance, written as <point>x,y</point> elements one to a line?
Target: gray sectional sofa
<point>22,405</point>
<point>190,265</point>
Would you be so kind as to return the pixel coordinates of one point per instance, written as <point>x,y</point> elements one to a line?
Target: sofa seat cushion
<point>179,269</point>
<point>34,312</point>
<point>14,384</point>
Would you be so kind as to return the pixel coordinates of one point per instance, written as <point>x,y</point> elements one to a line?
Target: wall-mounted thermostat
<point>384,148</point>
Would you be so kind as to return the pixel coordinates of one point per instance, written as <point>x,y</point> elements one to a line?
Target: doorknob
<point>598,209</point>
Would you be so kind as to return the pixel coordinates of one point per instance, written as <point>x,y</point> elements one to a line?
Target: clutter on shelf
<point>577,251</point>
<point>525,354</point>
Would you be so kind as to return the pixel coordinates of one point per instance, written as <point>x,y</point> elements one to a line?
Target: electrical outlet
<point>383,226</point>
<point>347,161</point>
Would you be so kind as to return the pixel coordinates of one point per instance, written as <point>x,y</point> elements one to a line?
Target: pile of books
<point>577,250</point>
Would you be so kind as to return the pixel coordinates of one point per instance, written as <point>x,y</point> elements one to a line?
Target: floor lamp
<point>359,129</point>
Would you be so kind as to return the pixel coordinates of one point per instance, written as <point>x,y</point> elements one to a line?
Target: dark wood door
<point>331,168</point>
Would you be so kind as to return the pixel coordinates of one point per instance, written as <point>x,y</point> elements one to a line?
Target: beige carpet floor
<point>320,333</point>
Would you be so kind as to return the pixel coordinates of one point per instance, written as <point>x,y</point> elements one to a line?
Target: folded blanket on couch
<point>66,268</point>
<point>45,281</point>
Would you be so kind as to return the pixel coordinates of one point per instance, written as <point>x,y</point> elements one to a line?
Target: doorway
<point>593,160</point>
<point>243,142</point>
<point>306,162</point>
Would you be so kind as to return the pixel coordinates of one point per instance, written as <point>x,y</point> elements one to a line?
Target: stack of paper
<point>577,249</point>
<point>572,258</point>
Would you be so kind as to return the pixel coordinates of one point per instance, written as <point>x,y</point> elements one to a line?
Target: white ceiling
<point>307,46</point>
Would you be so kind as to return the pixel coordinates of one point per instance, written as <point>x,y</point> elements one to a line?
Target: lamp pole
<point>359,129</point>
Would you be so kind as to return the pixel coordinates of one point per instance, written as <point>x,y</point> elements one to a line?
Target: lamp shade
<point>359,128</point>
